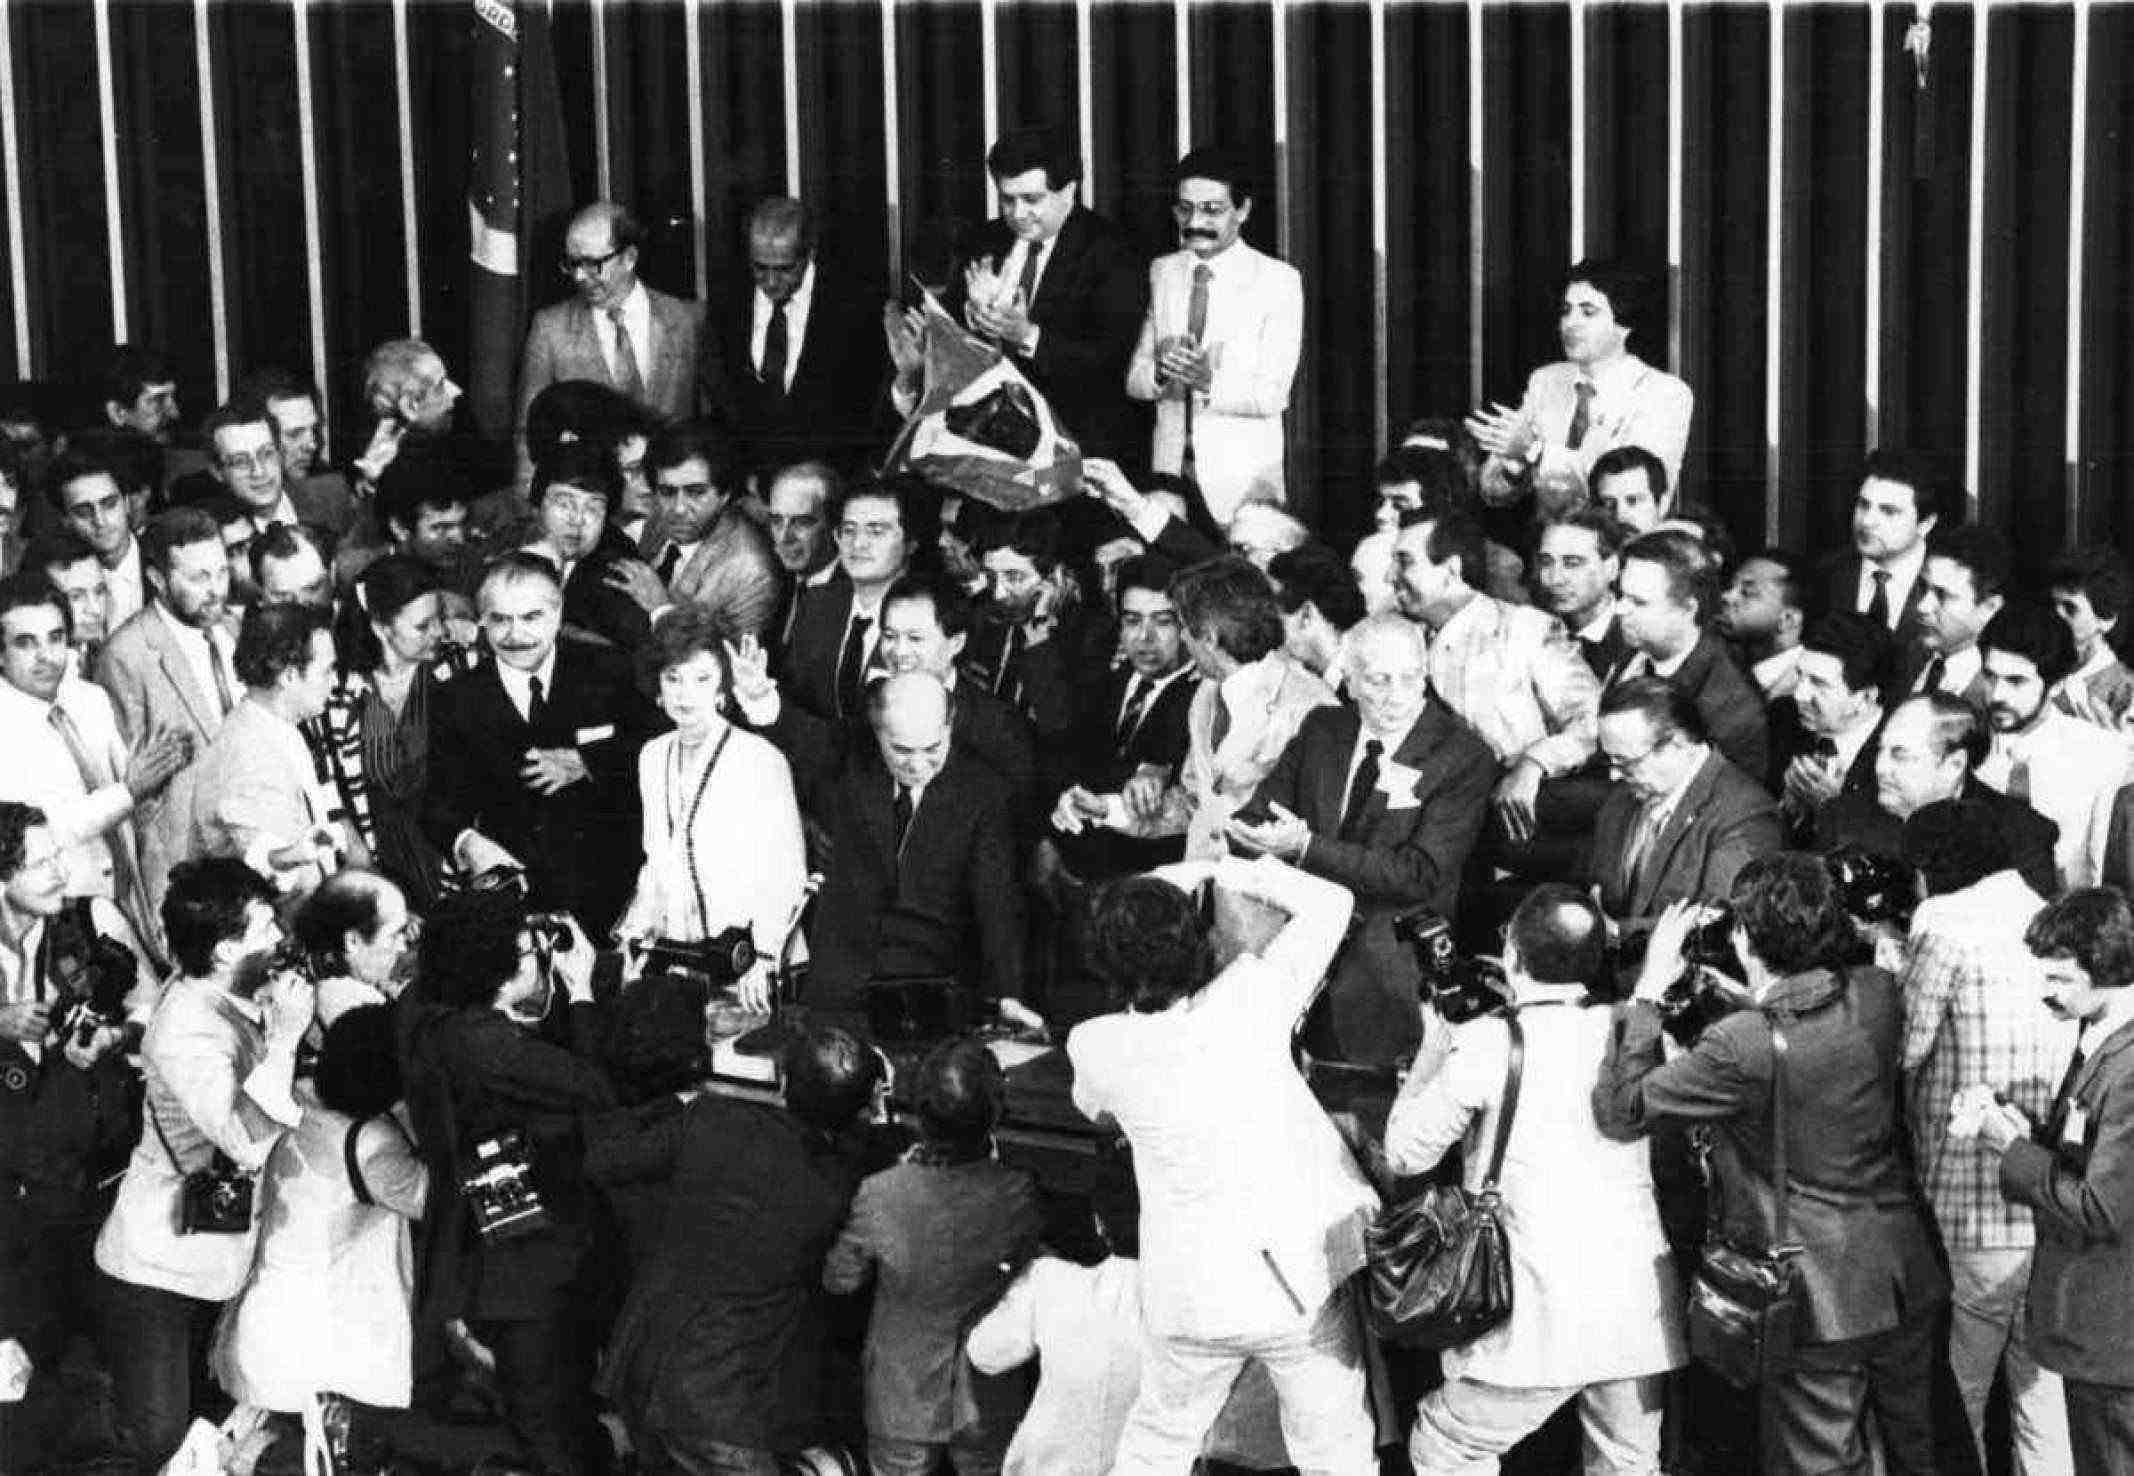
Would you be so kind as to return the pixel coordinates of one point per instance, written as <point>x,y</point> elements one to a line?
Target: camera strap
<point>1514,1069</point>
<point>688,825</point>
<point>348,1153</point>
<point>148,1110</point>
<point>1781,1181</point>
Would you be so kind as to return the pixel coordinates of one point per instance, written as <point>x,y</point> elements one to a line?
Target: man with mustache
<point>1219,346</point>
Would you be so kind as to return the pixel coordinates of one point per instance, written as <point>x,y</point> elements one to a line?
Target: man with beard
<point>1218,349</point>
<point>172,669</point>
<point>2067,770</point>
<point>1037,645</point>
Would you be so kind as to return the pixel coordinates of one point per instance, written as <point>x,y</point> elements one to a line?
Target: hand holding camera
<point>290,1002</point>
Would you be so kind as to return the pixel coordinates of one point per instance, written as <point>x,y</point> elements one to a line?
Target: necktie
<point>1360,789</point>
<point>1138,693</point>
<point>1596,654</point>
<point>1032,259</point>
<point>1196,328</point>
<point>772,374</point>
<point>225,694</point>
<point>628,378</point>
<point>536,703</point>
<point>1581,416</point>
<point>96,774</point>
<point>1878,602</point>
<point>2019,780</point>
<point>2056,1116</point>
<point>1218,724</point>
<point>669,561</point>
<point>852,665</point>
<point>900,818</point>
<point>1930,679</point>
<point>1010,648</point>
<point>1640,847</point>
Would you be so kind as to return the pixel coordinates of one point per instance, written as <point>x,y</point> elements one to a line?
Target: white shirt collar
<point>797,305</point>
<point>1596,629</point>
<point>517,683</point>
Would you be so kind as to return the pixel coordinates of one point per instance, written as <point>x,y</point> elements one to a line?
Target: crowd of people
<point>404,851</point>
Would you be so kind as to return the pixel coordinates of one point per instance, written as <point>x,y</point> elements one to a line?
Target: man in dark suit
<point>1576,564</point>
<point>1929,750</point>
<point>574,490</point>
<point>1683,820</point>
<point>1903,497</point>
<point>1036,644</point>
<point>1669,593</point>
<point>1058,288</point>
<point>1823,734</point>
<point>795,364</point>
<point>533,753</point>
<point>1386,798</point>
<point>614,328</point>
<point>830,642</point>
<point>921,875</point>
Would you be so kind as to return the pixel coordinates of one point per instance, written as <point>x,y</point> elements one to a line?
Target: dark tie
<point>1218,723</point>
<point>1196,328</point>
<point>669,561</point>
<point>1582,416</point>
<point>1878,602</point>
<point>852,666</point>
<point>1930,679</point>
<point>2019,780</point>
<point>772,374</point>
<point>1360,789</point>
<point>899,818</point>
<point>1010,648</point>
<point>225,694</point>
<point>536,703</point>
<point>1596,654</point>
<point>1032,258</point>
<point>2056,1116</point>
<point>1640,847</point>
<point>628,378</point>
<point>1138,692</point>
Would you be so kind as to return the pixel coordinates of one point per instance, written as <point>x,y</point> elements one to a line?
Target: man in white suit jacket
<point>1220,377</point>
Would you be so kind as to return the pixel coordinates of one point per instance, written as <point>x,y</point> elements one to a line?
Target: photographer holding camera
<point>67,967</point>
<point>219,1060</point>
<point>1869,1286</point>
<point>499,1110</point>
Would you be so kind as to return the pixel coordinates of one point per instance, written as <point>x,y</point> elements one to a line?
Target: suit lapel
<point>200,706</point>
<point>1662,851</point>
<point>1330,776</point>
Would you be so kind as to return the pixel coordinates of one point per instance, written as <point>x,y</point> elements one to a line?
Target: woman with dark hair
<point>722,836</point>
<point>375,732</point>
<point>328,1307</point>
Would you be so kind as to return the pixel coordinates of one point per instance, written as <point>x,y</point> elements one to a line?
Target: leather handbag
<point>1744,1305</point>
<point>216,1200</point>
<point>1438,1269</point>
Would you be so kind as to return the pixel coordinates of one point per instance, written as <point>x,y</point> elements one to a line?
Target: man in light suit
<point>614,329</point>
<point>698,547</point>
<point>171,668</point>
<point>256,791</point>
<point>1219,346</point>
<point>1683,820</point>
<point>1385,797</point>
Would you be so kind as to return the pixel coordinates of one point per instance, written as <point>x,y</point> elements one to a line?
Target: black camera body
<point>1873,887</point>
<point>98,974</point>
<point>550,931</point>
<point>500,1192</point>
<point>722,958</point>
<point>1460,987</point>
<point>1712,984</point>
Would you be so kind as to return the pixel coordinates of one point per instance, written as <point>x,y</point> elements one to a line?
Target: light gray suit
<point>562,344</point>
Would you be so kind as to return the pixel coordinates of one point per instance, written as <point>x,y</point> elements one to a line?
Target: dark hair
<point>2094,926</point>
<point>1954,843</point>
<point>1233,604</point>
<point>1862,645</point>
<point>1622,460</point>
<point>346,902</point>
<point>1455,533</point>
<point>1671,711</point>
<point>358,1070</point>
<point>953,609</point>
<point>2031,630</point>
<point>575,410</point>
<point>515,566</point>
<point>386,586</point>
<point>2098,574</point>
<point>272,382</point>
<point>1026,149</point>
<point>1441,480</point>
<point>1560,936</point>
<point>1315,574</point>
<point>55,547</point>
<point>686,631</point>
<point>284,541</point>
<point>582,466</point>
<point>1983,553</point>
<point>1630,295</point>
<point>421,474</point>
<point>30,588</point>
<point>207,903</point>
<point>1934,490</point>
<point>1146,940</point>
<point>1692,573</point>
<point>134,459</point>
<point>275,639</point>
<point>1789,907</point>
<point>1150,571</point>
<point>1792,574</point>
<point>1222,164</point>
<point>656,1043</point>
<point>1956,723</point>
<point>72,465</point>
<point>918,507</point>
<point>1608,534</point>
<point>130,370</point>
<point>16,822</point>
<point>176,528</point>
<point>235,411</point>
<point>830,1077</point>
<point>470,947</point>
<point>959,1092</point>
<point>1035,535</point>
<point>693,440</point>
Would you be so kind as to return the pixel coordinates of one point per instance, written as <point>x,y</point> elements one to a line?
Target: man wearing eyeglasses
<point>1219,346</point>
<point>246,459</point>
<point>614,329</point>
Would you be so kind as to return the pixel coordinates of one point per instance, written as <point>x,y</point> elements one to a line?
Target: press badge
<point>595,735</point>
<point>2075,1131</point>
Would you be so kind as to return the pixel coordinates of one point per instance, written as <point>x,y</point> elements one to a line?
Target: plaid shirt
<point>1515,677</point>
<point>1974,1012</point>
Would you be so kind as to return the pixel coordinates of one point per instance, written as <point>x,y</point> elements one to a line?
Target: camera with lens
<point>1461,988</point>
<point>1712,984</point>
<point>1873,887</point>
<point>98,976</point>
<point>500,1192</point>
<point>550,931</point>
<point>722,958</point>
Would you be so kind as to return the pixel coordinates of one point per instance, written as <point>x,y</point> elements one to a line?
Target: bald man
<point>921,882</point>
<point>1386,798</point>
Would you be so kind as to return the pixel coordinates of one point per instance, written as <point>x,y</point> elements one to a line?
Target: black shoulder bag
<point>1745,1303</point>
<point>1438,1269</point>
<point>216,1200</point>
